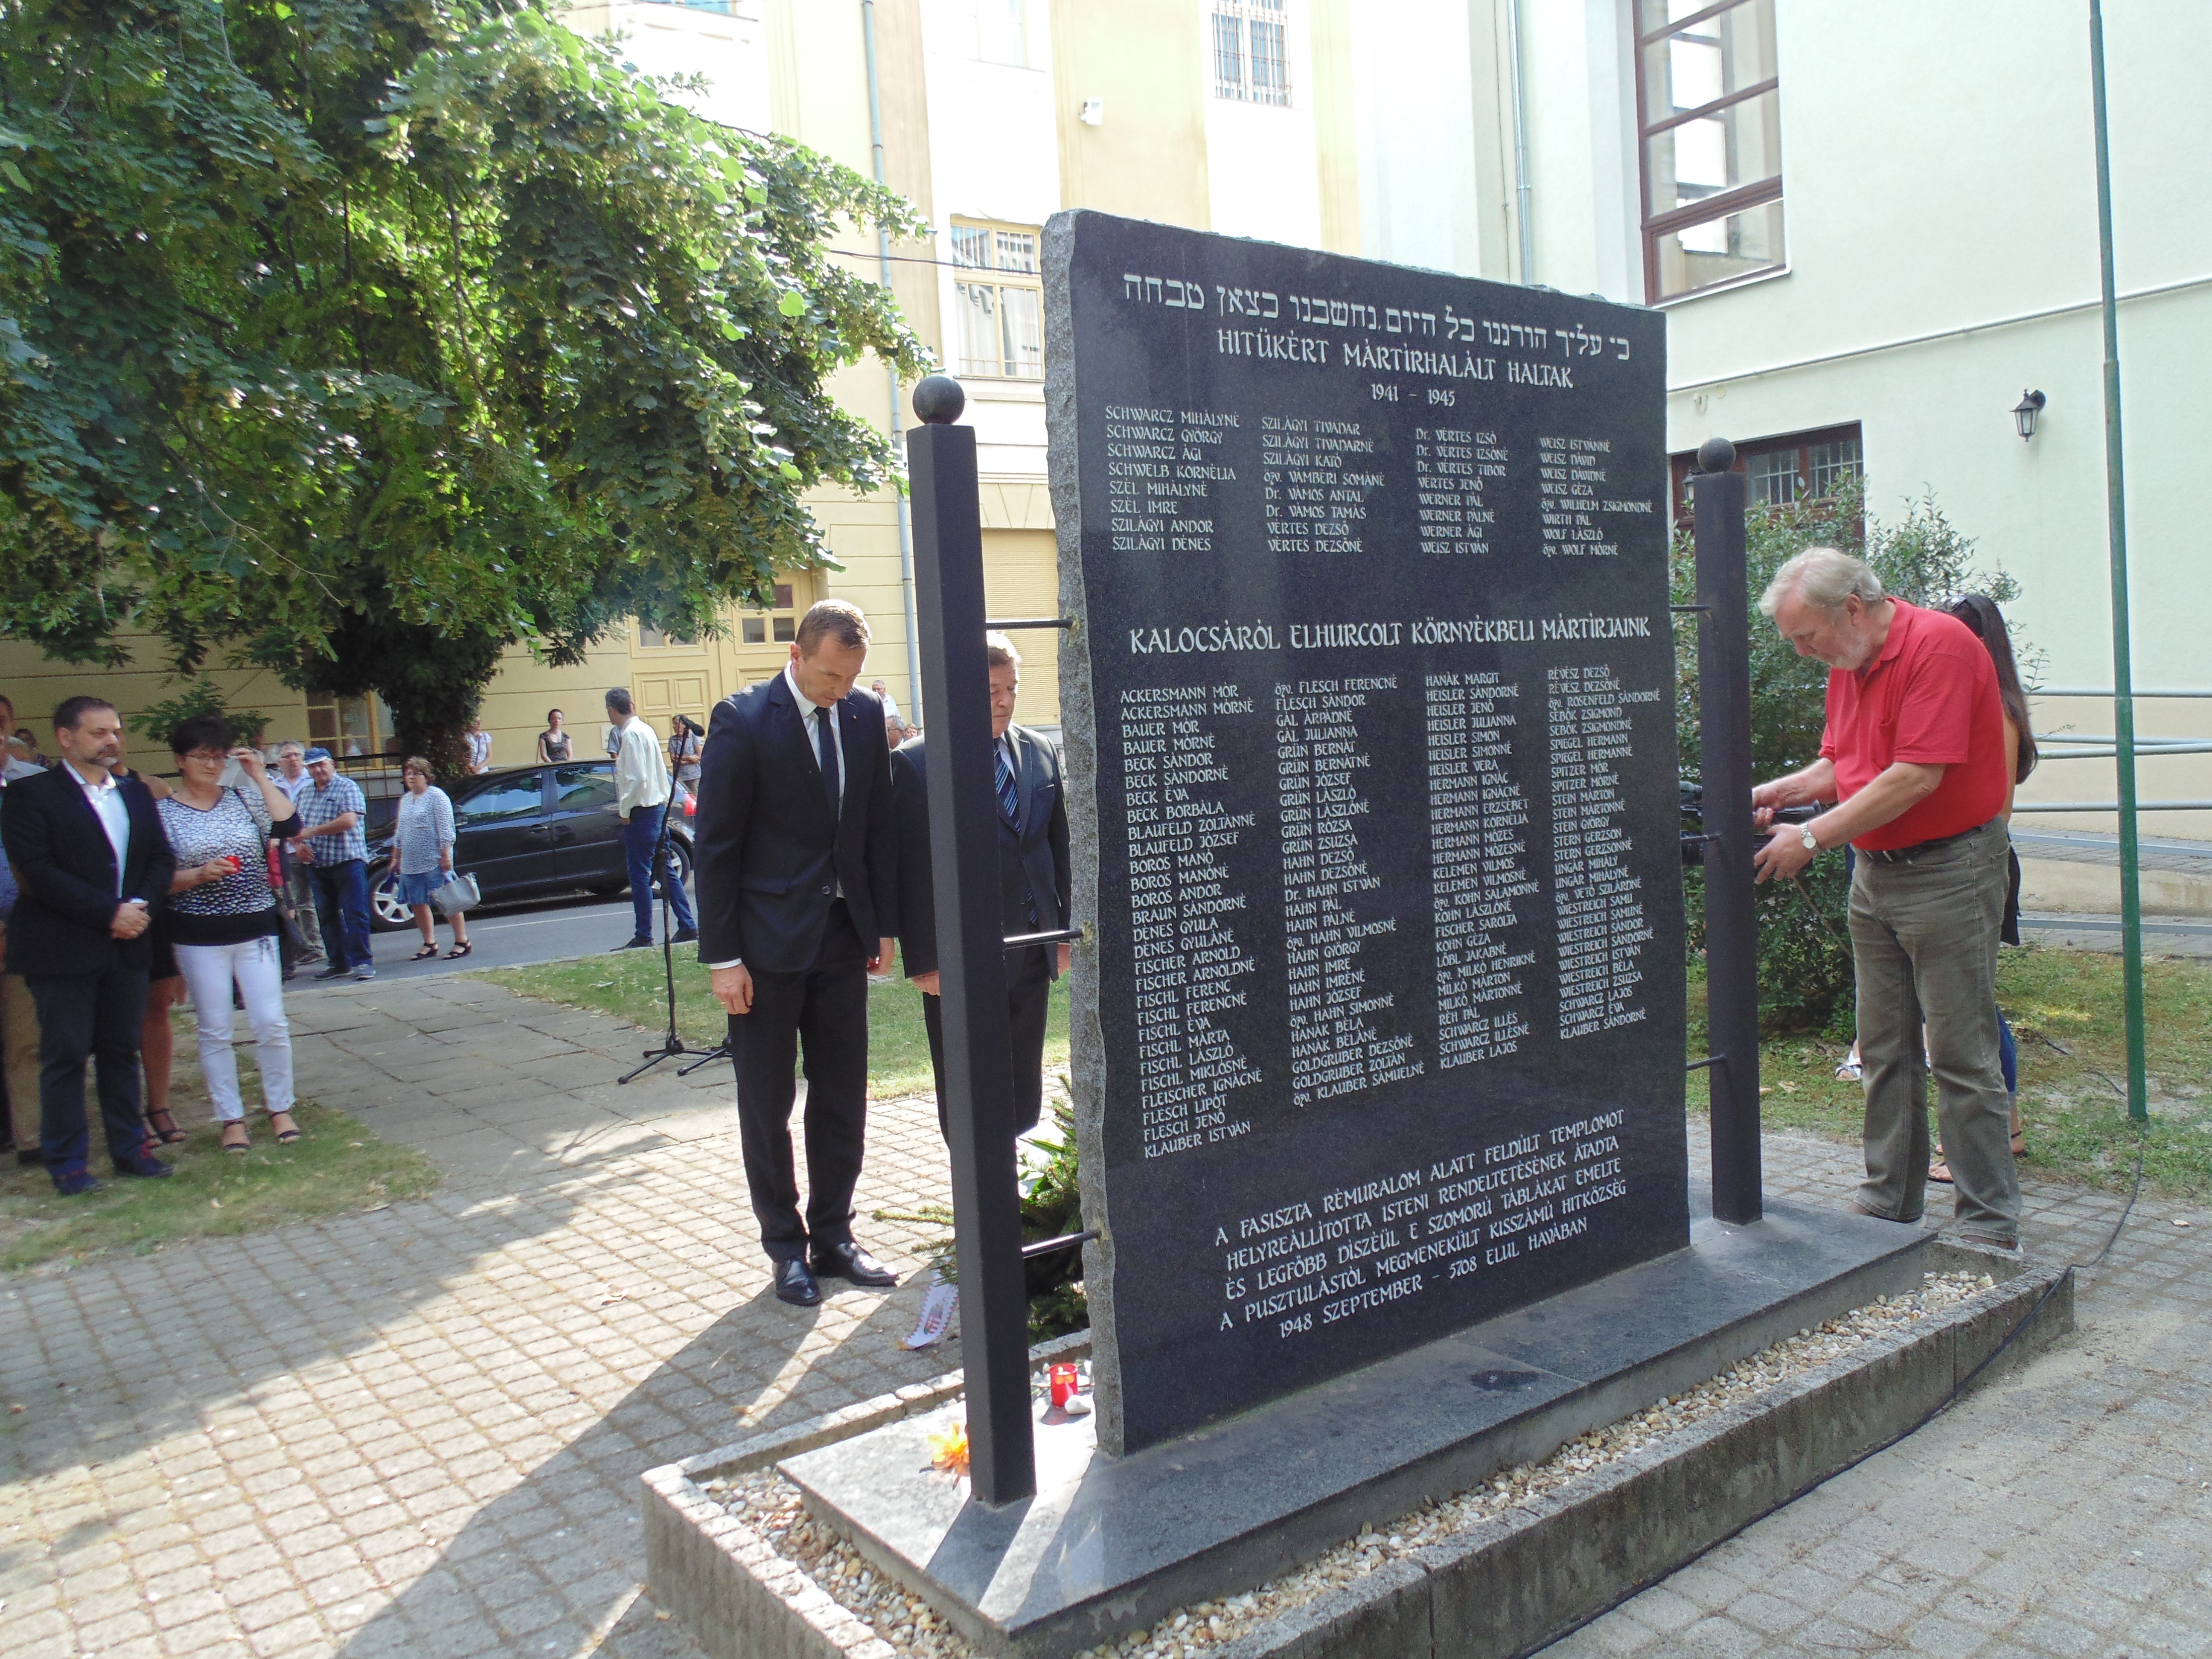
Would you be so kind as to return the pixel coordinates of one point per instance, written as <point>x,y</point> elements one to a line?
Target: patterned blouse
<point>240,906</point>
<point>423,828</point>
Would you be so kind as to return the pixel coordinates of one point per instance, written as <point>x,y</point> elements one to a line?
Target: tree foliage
<point>1804,949</point>
<point>362,339</point>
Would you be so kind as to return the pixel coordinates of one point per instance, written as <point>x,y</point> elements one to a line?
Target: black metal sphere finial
<point>1716,455</point>
<point>939,401</point>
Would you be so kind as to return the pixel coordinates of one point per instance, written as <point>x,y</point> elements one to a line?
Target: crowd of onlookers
<point>124,893</point>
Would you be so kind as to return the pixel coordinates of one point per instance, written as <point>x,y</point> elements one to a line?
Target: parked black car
<point>527,832</point>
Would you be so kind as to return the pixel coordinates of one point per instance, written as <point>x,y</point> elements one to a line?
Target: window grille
<point>1251,52</point>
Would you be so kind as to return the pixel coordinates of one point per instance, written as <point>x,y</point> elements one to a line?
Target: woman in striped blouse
<point>422,856</point>
<point>222,916</point>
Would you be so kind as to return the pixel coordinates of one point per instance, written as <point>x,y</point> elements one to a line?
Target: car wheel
<point>386,914</point>
<point>680,860</point>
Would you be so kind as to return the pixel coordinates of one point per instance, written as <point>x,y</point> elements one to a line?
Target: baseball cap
<point>317,753</point>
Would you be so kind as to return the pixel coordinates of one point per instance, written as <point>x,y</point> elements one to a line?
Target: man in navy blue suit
<point>1033,880</point>
<point>88,853</point>
<point>798,874</point>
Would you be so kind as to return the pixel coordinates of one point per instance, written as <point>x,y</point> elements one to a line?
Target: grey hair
<point>999,651</point>
<point>1824,577</point>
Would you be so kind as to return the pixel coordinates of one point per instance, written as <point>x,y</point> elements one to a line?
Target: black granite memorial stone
<point>1374,678</point>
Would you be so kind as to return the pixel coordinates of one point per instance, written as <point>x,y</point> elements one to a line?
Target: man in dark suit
<point>797,875</point>
<point>93,863</point>
<point>1033,880</point>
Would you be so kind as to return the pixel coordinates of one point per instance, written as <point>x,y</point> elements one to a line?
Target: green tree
<point>363,339</point>
<point>1804,950</point>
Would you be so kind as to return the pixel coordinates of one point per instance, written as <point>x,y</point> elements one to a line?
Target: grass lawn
<point>337,1167</point>
<point>2065,1008</point>
<point>631,986</point>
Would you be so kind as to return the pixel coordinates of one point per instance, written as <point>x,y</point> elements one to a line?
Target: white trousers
<point>257,969</point>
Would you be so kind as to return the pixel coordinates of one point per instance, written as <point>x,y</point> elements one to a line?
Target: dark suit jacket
<point>768,857</point>
<point>1032,860</point>
<point>66,867</point>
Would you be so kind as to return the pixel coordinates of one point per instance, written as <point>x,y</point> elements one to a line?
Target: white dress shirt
<point>106,799</point>
<point>810,714</point>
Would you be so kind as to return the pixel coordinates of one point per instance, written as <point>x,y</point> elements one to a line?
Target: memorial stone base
<point>1109,1544</point>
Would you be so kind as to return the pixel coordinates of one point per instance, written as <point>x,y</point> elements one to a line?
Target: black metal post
<point>1731,916</point>
<point>964,845</point>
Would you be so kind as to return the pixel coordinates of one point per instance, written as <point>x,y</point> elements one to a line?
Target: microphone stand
<point>673,1046</point>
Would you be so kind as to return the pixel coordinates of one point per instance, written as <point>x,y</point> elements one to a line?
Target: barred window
<point>1001,308</point>
<point>1797,467</point>
<point>1251,56</point>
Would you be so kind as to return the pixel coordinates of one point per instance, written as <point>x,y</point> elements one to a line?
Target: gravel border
<point>751,1496</point>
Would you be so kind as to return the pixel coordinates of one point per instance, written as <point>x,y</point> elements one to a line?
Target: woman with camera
<point>222,919</point>
<point>685,744</point>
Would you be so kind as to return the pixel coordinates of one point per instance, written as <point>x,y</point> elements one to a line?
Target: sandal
<point>286,1135</point>
<point>424,954</point>
<point>458,951</point>
<point>2020,1145</point>
<point>1940,1173</point>
<point>164,1127</point>
<point>245,1138</point>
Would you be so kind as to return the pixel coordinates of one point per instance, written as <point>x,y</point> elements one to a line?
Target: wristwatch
<point>1805,834</point>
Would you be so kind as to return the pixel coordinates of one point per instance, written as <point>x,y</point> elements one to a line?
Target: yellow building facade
<point>1278,119</point>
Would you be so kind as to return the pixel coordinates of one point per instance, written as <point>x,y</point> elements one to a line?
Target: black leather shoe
<point>684,936</point>
<point>794,1284</point>
<point>144,1165</point>
<point>634,944</point>
<point>851,1261</point>
<point>334,973</point>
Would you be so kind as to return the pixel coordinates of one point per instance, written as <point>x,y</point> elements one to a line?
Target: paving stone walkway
<point>418,1431</point>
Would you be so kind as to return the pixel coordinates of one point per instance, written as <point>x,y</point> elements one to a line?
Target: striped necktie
<point>1009,799</point>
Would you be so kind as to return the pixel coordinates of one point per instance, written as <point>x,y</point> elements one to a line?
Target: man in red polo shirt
<point>1914,757</point>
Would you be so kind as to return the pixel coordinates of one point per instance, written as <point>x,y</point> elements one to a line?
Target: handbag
<point>457,895</point>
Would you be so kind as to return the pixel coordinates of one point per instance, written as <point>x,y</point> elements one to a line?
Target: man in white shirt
<point>641,792</point>
<point>292,769</point>
<point>884,696</point>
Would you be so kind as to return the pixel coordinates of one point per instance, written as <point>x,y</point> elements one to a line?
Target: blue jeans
<point>640,839</point>
<point>342,906</point>
<point>96,1017</point>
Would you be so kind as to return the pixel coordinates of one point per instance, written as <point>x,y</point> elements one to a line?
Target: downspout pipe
<point>883,262</point>
<point>1520,186</point>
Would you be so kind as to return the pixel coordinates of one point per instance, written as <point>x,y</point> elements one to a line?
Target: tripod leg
<point>673,1047</point>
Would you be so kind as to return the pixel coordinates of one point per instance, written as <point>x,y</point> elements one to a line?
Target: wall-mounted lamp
<point>2025,411</point>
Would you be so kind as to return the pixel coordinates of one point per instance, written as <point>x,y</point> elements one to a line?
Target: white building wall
<point>1413,116</point>
<point>726,50</point>
<point>994,154</point>
<point>1579,92</point>
<point>1942,258</point>
<point>1263,175</point>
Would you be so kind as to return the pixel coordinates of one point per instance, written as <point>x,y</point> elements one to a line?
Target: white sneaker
<point>364,972</point>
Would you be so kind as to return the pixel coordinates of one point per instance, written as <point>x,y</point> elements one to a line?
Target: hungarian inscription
<point>1373,679</point>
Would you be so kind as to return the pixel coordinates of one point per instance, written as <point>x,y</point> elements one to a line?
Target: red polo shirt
<point>1929,699</point>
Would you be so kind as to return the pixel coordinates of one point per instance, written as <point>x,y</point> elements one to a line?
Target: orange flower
<point>948,1449</point>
